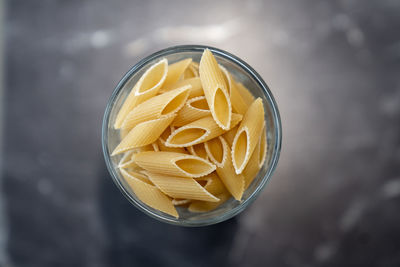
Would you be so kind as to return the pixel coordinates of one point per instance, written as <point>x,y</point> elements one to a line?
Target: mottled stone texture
<point>334,68</point>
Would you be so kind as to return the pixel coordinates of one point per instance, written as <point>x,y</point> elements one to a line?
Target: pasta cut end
<point>144,134</point>
<point>176,103</point>
<point>263,149</point>
<point>216,150</point>
<point>183,137</point>
<point>198,150</point>
<point>175,71</point>
<point>194,167</point>
<point>240,150</point>
<point>166,133</point>
<point>155,76</point>
<point>203,183</point>
<point>133,175</point>
<point>221,110</point>
<point>199,103</point>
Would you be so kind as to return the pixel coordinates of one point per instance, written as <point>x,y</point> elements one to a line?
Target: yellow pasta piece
<point>143,134</point>
<point>215,151</point>
<point>176,70</point>
<point>252,167</point>
<point>126,161</point>
<point>245,93</point>
<point>213,184</point>
<point>230,135</point>
<point>166,133</point>
<point>263,147</point>
<point>195,90</point>
<point>198,132</point>
<point>238,103</point>
<point>220,154</point>
<point>155,147</point>
<point>191,71</point>
<point>180,187</point>
<point>188,74</point>
<point>163,137</point>
<point>256,160</point>
<point>128,174</point>
<point>215,90</point>
<point>151,147</point>
<point>205,206</point>
<point>157,106</point>
<point>123,133</point>
<point>248,134</point>
<point>147,86</point>
<point>174,164</point>
<point>198,150</point>
<point>163,147</point>
<point>149,194</point>
<point>195,65</point>
<point>180,201</point>
<point>194,109</point>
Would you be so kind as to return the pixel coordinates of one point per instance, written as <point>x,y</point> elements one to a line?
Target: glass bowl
<point>242,73</point>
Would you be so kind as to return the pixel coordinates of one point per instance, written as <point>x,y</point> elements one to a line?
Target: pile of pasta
<point>191,136</point>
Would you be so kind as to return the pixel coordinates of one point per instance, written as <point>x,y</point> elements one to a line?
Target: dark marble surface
<point>334,68</point>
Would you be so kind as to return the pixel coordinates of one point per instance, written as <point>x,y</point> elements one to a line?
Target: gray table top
<point>333,67</point>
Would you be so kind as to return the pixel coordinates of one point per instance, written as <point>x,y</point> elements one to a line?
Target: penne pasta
<point>238,103</point>
<point>176,70</point>
<point>247,136</point>
<point>198,132</point>
<point>180,187</point>
<point>205,206</point>
<point>215,90</point>
<point>147,86</point>
<point>195,65</point>
<point>150,195</point>
<point>215,151</point>
<point>173,164</point>
<point>151,147</point>
<point>180,202</point>
<point>123,133</point>
<point>213,184</point>
<point>230,135</point>
<point>198,150</point>
<point>220,154</point>
<point>188,74</point>
<point>195,90</point>
<point>157,106</point>
<point>245,93</point>
<point>143,134</point>
<point>256,160</point>
<point>166,133</point>
<point>194,109</point>
<point>263,147</point>
<point>191,71</point>
<point>155,147</point>
<point>137,175</point>
<point>163,147</point>
<point>252,167</point>
<point>126,161</point>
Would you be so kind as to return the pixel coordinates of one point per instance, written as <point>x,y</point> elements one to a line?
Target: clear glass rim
<point>275,154</point>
